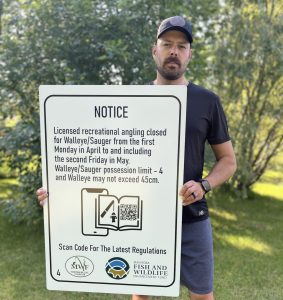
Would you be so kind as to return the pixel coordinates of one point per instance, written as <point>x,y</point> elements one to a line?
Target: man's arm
<point>224,167</point>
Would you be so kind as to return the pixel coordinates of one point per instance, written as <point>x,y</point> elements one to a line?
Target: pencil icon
<point>107,208</point>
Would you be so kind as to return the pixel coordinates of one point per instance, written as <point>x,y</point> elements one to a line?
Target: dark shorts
<point>197,257</point>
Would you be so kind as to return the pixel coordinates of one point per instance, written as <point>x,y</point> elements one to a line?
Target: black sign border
<point>176,218</point>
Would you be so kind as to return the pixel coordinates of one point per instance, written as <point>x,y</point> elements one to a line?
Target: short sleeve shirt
<point>206,121</point>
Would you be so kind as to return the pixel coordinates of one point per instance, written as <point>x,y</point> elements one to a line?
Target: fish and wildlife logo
<point>117,268</point>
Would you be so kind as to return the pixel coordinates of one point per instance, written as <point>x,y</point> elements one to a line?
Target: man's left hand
<point>191,192</point>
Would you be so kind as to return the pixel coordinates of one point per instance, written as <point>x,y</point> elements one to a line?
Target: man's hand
<point>191,192</point>
<point>41,196</point>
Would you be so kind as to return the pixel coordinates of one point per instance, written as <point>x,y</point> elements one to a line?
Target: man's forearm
<point>225,165</point>
<point>221,171</point>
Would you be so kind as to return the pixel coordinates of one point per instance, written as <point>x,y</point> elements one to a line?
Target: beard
<point>171,73</point>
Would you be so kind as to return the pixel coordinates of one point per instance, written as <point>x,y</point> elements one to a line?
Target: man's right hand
<point>41,196</point>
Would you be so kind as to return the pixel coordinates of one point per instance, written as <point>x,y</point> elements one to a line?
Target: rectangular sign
<point>112,160</point>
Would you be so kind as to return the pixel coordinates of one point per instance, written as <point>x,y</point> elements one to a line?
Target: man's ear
<point>153,50</point>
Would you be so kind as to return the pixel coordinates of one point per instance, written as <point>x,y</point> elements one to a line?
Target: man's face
<point>172,54</point>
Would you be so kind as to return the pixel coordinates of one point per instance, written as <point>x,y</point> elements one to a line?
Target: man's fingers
<point>191,192</point>
<point>42,197</point>
<point>185,187</point>
<point>190,199</point>
<point>183,190</point>
<point>40,191</point>
<point>188,193</point>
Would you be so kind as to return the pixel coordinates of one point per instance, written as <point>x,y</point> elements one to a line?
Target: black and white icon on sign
<point>102,212</point>
<point>88,214</point>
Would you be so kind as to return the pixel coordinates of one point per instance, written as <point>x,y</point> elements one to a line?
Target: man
<point>205,121</point>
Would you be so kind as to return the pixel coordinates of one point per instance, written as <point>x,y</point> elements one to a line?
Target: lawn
<point>248,242</point>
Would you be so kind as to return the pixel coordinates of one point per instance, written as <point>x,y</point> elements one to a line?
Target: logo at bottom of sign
<point>79,266</point>
<point>117,268</point>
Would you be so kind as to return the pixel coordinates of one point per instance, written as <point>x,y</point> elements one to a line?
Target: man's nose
<point>174,51</point>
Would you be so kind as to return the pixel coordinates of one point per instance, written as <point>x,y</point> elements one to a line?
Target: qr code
<point>128,212</point>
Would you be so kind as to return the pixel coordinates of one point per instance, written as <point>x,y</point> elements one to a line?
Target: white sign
<point>112,161</point>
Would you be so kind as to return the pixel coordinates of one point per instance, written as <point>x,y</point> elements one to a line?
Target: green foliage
<point>109,42</point>
<point>248,69</point>
<point>74,42</point>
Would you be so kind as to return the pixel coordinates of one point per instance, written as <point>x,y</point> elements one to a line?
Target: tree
<point>76,42</point>
<point>1,11</point>
<point>248,72</point>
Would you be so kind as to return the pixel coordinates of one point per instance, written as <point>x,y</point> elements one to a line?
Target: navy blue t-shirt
<point>206,121</point>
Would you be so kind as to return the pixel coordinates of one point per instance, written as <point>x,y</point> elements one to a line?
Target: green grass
<point>248,243</point>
